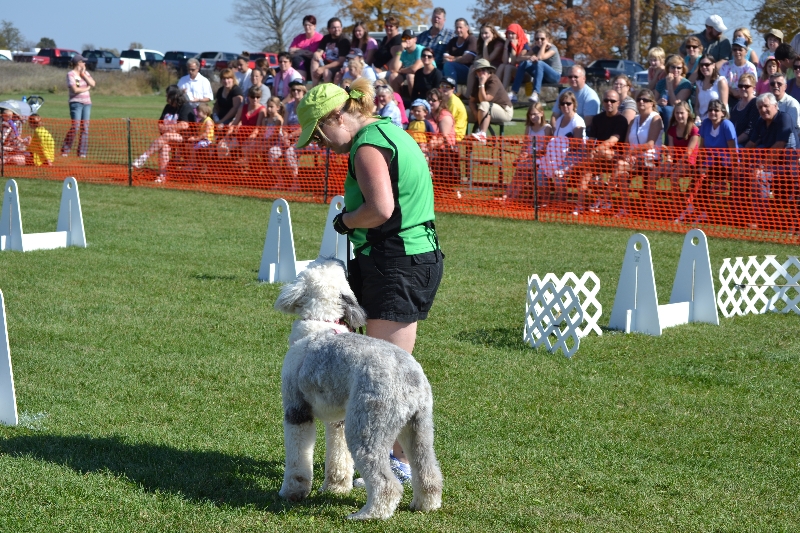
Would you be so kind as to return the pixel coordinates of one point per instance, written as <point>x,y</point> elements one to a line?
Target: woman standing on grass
<point>388,214</point>
<point>79,83</point>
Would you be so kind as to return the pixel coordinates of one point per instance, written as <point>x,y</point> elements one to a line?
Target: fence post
<point>130,154</point>
<point>535,151</point>
<point>327,167</point>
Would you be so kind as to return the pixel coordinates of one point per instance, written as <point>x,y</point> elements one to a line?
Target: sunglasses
<point>675,67</point>
<point>796,67</point>
<point>432,100</point>
<point>692,47</point>
<point>426,56</point>
<point>776,84</point>
<point>565,103</point>
<point>702,65</point>
<point>540,39</point>
<point>745,86</point>
<point>573,77</point>
<point>714,110</point>
<point>610,101</point>
<point>649,101</point>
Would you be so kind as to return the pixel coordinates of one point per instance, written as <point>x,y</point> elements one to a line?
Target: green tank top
<point>409,230</point>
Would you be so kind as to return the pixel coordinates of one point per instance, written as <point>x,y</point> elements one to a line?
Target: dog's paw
<point>333,487</point>
<point>426,502</point>
<point>295,490</point>
<point>364,515</point>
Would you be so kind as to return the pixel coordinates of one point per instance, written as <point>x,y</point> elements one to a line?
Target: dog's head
<point>321,292</point>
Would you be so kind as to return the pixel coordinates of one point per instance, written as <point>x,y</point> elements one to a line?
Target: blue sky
<point>203,24</point>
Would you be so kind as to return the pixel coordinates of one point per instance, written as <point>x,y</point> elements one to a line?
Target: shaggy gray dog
<point>368,392</point>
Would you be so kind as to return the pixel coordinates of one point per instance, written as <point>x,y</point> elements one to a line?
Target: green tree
<point>46,42</point>
<point>781,14</point>
<point>10,37</point>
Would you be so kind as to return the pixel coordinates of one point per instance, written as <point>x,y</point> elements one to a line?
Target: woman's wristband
<point>339,225</point>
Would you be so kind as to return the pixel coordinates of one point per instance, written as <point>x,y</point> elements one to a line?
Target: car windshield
<point>131,54</point>
<point>208,55</point>
<point>601,63</point>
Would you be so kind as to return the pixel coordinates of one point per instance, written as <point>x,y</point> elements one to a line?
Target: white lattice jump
<point>754,286</point>
<point>636,306</point>
<point>559,311</point>
<point>69,229</point>
<point>279,263</point>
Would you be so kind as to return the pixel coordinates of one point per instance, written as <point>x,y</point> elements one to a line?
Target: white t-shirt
<point>555,158</point>
<point>196,89</point>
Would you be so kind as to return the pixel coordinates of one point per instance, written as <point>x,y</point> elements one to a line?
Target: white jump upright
<point>636,306</point>
<point>279,263</point>
<point>69,229</point>
<point>8,398</point>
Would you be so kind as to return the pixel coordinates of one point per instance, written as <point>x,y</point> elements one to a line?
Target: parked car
<point>640,79</point>
<point>6,55</point>
<point>139,58</point>
<point>56,57</point>
<point>271,57</point>
<point>208,63</point>
<point>177,60</point>
<point>101,60</point>
<point>566,64</point>
<point>602,70</point>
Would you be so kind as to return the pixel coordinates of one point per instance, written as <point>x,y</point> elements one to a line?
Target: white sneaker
<point>479,136</point>
<point>139,161</point>
<point>161,178</point>
<point>534,97</point>
<point>513,97</point>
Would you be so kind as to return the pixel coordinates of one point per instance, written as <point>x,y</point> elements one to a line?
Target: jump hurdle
<point>279,262</point>
<point>8,398</point>
<point>69,229</point>
<point>636,306</point>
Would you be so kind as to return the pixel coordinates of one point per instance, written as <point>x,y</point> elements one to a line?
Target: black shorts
<point>399,289</point>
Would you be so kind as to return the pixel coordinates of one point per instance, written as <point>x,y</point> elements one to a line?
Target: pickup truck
<point>176,60</point>
<point>101,60</point>
<point>57,57</point>
<point>208,63</point>
<point>139,58</point>
<point>603,70</point>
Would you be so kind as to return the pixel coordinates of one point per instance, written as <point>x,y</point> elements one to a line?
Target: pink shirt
<point>74,81</point>
<point>307,44</point>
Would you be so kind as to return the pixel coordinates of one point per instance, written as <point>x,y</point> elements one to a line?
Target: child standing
<point>42,147</point>
<point>535,126</point>
<point>277,141</point>
<point>656,58</point>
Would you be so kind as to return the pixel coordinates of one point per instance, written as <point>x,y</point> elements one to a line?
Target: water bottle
<point>24,99</point>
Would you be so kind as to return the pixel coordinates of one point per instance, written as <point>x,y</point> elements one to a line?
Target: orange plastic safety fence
<point>742,194</point>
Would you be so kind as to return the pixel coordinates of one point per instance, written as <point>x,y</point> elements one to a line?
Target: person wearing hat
<point>329,57</point>
<point>419,127</point>
<point>714,44</point>
<point>732,70</point>
<point>489,100</point>
<point>388,213</point>
<point>455,106</point>
<point>406,61</point>
<point>79,83</point>
<point>772,39</point>
<point>744,33</point>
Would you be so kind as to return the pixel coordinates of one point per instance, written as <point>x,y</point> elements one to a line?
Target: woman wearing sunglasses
<point>745,113</point>
<point>426,78</point>
<point>710,86</point>
<point>694,51</point>
<point>644,142</point>
<point>563,151</point>
<point>388,214</point>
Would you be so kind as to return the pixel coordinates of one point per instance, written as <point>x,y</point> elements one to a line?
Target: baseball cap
<point>739,41</point>
<point>421,102</point>
<point>317,104</point>
<point>448,81</point>
<point>355,52</point>
<point>78,57</point>
<point>715,21</point>
<point>408,34</point>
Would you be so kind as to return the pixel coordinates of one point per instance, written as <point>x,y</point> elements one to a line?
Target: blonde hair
<point>356,62</point>
<point>689,119</point>
<point>538,107</point>
<point>228,73</point>
<point>748,39</point>
<point>656,53</point>
<point>677,60</point>
<point>748,76</point>
<point>364,105</point>
<point>205,108</point>
<point>278,102</point>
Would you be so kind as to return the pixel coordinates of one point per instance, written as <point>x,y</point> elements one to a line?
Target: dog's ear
<point>354,314</point>
<point>290,296</point>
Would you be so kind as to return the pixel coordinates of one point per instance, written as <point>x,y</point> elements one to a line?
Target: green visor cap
<point>317,104</point>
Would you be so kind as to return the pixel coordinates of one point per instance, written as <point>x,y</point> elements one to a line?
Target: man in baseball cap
<point>714,43</point>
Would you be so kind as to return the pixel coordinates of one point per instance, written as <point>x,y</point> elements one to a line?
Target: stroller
<point>13,148</point>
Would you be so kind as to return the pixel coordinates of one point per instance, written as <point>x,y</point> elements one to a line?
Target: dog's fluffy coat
<point>368,392</point>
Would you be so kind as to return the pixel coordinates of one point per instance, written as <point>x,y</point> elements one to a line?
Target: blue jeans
<point>79,113</point>
<point>539,71</point>
<point>457,71</point>
<point>666,115</point>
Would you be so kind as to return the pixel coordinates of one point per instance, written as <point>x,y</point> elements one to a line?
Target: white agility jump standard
<point>553,315</point>
<point>756,287</point>
<point>279,263</point>
<point>8,398</point>
<point>636,306</point>
<point>69,229</point>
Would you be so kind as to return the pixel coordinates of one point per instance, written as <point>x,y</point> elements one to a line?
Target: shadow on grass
<point>203,476</point>
<point>506,338</point>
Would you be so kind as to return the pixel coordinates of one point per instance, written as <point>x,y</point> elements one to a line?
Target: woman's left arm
<point>723,90</point>
<point>372,169</point>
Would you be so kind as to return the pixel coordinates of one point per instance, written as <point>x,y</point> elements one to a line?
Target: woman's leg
<point>163,148</point>
<point>75,113</point>
<point>83,147</point>
<point>543,73</point>
<point>519,77</point>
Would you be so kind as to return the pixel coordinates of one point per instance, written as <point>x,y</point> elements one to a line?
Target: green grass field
<point>147,372</point>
